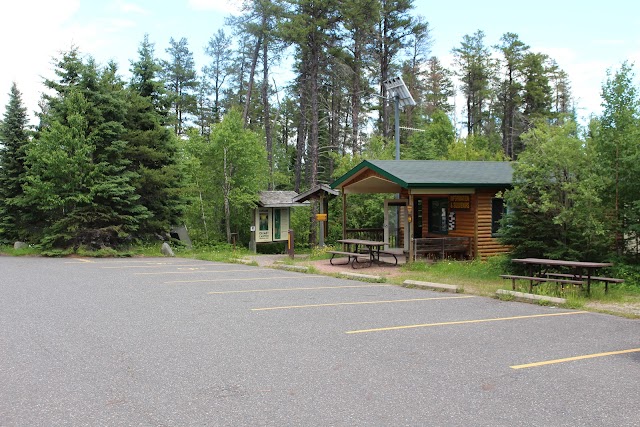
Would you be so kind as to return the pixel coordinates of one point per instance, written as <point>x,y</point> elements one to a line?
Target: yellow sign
<point>321,217</point>
<point>460,202</point>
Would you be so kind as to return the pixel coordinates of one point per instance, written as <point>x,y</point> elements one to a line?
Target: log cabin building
<point>435,208</point>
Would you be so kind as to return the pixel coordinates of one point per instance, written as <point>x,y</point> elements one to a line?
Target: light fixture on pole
<point>397,90</point>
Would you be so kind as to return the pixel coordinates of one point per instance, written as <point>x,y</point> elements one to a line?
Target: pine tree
<point>14,138</point>
<point>439,88</point>
<point>476,71</point>
<point>510,91</point>
<point>181,82</point>
<point>219,50</point>
<point>537,91</point>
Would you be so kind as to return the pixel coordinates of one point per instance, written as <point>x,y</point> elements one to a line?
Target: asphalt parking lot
<point>179,342</point>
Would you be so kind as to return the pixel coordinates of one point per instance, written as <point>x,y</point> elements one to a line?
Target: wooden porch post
<point>410,216</point>
<point>344,214</point>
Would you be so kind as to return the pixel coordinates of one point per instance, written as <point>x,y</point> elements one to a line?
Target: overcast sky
<point>585,41</point>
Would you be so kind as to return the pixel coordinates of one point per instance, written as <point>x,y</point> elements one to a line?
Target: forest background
<point>113,161</point>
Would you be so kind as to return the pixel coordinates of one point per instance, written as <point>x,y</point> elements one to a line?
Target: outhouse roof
<point>279,199</point>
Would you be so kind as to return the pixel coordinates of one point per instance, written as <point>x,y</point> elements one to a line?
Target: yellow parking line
<point>571,359</point>
<point>79,261</point>
<point>462,322</point>
<point>154,265</point>
<point>357,303</point>
<point>191,270</point>
<point>296,289</point>
<point>244,279</point>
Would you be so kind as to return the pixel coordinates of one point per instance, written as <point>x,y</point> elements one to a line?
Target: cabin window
<point>417,217</point>
<point>438,215</point>
<point>498,209</point>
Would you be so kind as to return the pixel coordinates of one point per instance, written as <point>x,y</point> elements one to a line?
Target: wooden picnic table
<point>356,249</point>
<point>581,272</point>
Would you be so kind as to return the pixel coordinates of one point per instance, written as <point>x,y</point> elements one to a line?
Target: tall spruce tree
<point>151,147</point>
<point>146,78</point>
<point>14,137</point>
<point>77,175</point>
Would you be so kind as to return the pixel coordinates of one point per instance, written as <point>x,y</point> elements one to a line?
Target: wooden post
<point>344,214</point>
<point>322,223</point>
<point>410,218</point>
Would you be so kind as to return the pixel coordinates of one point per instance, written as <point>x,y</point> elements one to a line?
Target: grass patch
<point>477,277</point>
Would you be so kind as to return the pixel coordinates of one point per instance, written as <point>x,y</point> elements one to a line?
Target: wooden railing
<point>369,234</point>
<point>442,247</point>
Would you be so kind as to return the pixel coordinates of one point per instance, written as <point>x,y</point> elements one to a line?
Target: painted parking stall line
<point>314,288</point>
<point>465,322</point>
<point>337,304</point>
<point>242,279</point>
<point>194,270</point>
<point>152,265</point>
<point>575,358</point>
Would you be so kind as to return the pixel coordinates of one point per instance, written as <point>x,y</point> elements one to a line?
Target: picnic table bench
<point>582,273</point>
<point>352,258</point>
<point>364,252</point>
<point>536,280</point>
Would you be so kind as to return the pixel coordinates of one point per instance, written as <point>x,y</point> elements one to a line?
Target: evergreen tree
<point>181,82</point>
<point>151,147</point>
<point>219,50</point>
<point>439,89</point>
<point>537,91</point>
<point>360,19</point>
<point>476,71</point>
<point>146,78</point>
<point>510,92</point>
<point>395,26</point>
<point>77,171</point>
<point>14,138</point>
<point>414,73</point>
<point>555,208</point>
<point>616,143</point>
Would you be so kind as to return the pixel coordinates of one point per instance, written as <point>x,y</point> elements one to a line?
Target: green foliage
<point>474,148</point>
<point>615,140</point>
<point>434,142</point>
<point>555,205</point>
<point>77,183</point>
<point>225,177</point>
<point>14,137</point>
<point>299,223</point>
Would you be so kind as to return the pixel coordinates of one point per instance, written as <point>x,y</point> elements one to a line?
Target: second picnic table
<point>581,272</point>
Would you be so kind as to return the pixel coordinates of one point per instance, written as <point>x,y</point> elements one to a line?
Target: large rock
<point>20,245</point>
<point>166,250</point>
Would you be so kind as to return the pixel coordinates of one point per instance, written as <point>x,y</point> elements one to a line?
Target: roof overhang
<point>372,184</point>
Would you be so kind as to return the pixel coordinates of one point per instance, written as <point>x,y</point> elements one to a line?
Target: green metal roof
<point>436,173</point>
